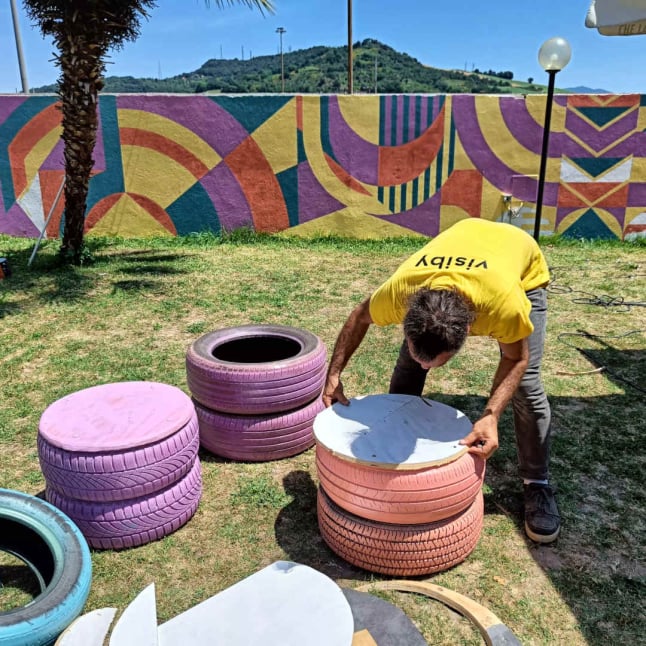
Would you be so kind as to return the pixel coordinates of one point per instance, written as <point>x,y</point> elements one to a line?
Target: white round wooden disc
<point>393,431</point>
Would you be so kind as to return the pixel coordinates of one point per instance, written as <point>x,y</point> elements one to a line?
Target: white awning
<point>617,17</point>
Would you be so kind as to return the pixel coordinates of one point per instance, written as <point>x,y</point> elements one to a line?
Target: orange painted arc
<point>401,164</point>
<point>400,550</point>
<point>409,497</point>
<point>260,186</point>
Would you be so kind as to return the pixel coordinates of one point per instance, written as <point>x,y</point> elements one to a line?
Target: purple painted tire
<point>120,475</point>
<point>256,369</point>
<point>258,438</point>
<point>129,523</point>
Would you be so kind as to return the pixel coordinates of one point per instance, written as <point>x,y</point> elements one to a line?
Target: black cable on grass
<point>591,358</point>
<point>591,299</point>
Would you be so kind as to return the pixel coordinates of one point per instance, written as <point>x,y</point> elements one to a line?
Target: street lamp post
<point>553,56</point>
<point>280,31</point>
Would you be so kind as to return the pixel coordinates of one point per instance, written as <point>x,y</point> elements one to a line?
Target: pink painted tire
<point>400,496</point>
<point>258,438</point>
<point>400,550</point>
<point>109,476</point>
<point>128,523</point>
<point>256,369</point>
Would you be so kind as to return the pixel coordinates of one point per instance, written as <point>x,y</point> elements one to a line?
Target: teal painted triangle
<point>111,179</point>
<point>193,212</point>
<point>589,227</point>
<point>300,147</point>
<point>603,116</point>
<point>326,144</point>
<point>252,112</point>
<point>288,180</point>
<point>595,166</point>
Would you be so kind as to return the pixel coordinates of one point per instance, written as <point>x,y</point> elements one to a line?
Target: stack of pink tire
<point>121,461</point>
<point>256,390</point>
<point>398,519</point>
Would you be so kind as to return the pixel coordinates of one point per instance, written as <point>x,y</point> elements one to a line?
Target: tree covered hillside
<point>321,70</point>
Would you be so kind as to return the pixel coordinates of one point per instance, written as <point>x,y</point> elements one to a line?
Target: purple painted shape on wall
<point>228,198</point>
<point>55,160</point>
<point>633,146</point>
<point>201,115</point>
<point>467,126</point>
<point>600,139</point>
<point>637,195</point>
<point>521,124</point>
<point>355,155</point>
<point>424,218</point>
<point>399,135</point>
<point>313,200</point>
<point>423,113</point>
<point>8,105</point>
<point>14,222</point>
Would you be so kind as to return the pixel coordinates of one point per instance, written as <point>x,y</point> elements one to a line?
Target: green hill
<point>321,70</point>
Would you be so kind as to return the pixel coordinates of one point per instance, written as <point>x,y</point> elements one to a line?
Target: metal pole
<point>350,89</point>
<point>21,60</point>
<point>375,73</point>
<point>546,140</point>
<point>281,31</point>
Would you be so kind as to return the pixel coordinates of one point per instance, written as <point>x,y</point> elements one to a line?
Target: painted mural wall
<point>364,166</point>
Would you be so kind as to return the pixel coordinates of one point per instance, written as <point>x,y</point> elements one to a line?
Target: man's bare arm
<point>349,339</point>
<point>514,357</point>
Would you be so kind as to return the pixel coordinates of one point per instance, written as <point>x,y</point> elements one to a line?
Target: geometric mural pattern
<point>357,165</point>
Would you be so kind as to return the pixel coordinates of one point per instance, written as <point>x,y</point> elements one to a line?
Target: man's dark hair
<point>437,321</point>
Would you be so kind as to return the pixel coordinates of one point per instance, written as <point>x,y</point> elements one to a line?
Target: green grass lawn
<point>132,312</point>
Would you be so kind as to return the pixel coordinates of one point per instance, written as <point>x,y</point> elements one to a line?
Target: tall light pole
<point>21,61</point>
<point>553,56</point>
<point>350,89</point>
<point>280,31</point>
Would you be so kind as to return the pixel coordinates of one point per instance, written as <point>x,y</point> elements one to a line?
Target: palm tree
<point>84,31</point>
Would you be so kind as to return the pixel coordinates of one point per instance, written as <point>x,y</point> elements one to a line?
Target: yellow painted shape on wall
<point>362,115</point>
<point>277,138</point>
<point>39,153</point>
<point>449,215</point>
<point>641,119</point>
<point>638,169</point>
<point>324,174</point>
<point>147,172</point>
<point>151,122</point>
<point>349,223</point>
<point>535,105</point>
<point>491,204</point>
<point>504,144</point>
<point>128,220</point>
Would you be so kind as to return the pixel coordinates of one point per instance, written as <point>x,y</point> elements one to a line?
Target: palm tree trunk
<point>79,87</point>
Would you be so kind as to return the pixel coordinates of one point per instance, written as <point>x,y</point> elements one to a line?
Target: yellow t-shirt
<point>491,263</point>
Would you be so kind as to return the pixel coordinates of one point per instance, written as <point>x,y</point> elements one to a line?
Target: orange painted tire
<point>400,550</point>
<point>400,496</point>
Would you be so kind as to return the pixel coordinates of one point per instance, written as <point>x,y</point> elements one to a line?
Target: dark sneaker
<point>542,519</point>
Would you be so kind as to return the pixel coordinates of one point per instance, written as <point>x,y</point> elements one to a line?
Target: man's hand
<point>483,439</point>
<point>333,392</point>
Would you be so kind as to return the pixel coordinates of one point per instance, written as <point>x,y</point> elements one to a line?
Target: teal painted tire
<point>54,548</point>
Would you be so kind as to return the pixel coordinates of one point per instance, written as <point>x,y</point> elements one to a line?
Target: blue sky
<point>499,34</point>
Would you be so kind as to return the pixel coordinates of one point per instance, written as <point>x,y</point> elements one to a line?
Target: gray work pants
<point>530,405</point>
